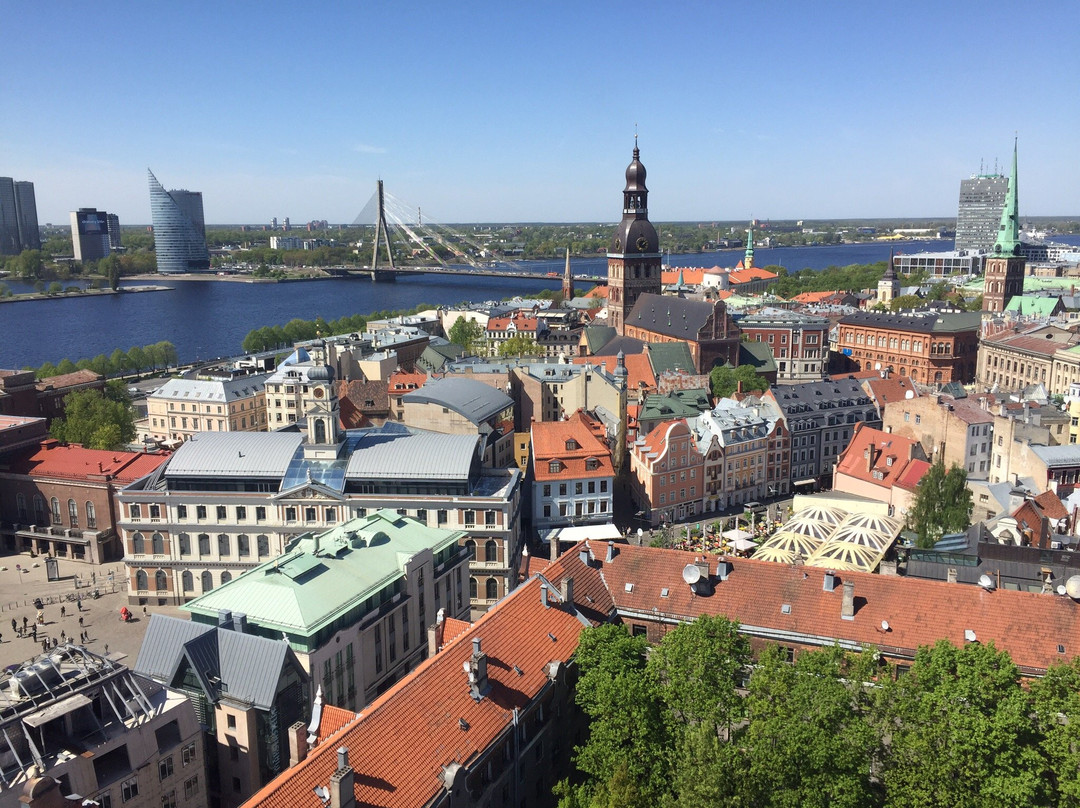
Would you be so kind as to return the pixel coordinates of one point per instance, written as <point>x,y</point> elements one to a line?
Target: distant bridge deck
<point>487,272</point>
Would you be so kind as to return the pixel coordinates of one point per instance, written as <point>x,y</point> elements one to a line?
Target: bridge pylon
<point>380,229</point>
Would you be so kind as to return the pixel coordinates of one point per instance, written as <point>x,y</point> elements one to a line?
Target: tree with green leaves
<point>519,345</point>
<point>467,333</point>
<point>905,302</point>
<point>959,732</point>
<point>942,504</point>
<point>1056,697</point>
<point>725,380</point>
<point>96,420</point>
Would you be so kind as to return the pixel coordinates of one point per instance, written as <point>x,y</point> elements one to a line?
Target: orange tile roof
<point>549,439</point>
<point>399,744</point>
<point>886,446</point>
<point>599,291</point>
<point>918,611</point>
<point>332,719</point>
<point>70,380</point>
<point>639,372</point>
<point>752,274</point>
<point>76,463</point>
<point>910,476</point>
<point>401,382</point>
<point>692,276</point>
<point>886,391</point>
<point>813,297</point>
<point>521,323</point>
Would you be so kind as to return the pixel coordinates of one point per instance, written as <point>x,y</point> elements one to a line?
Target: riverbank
<point>22,298</point>
<point>309,275</point>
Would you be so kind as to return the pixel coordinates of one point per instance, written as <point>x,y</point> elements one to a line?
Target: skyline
<point>481,113</point>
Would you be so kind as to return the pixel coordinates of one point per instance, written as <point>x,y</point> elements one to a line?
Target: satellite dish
<point>909,394</point>
<point>639,532</point>
<point>986,582</point>
<point>691,575</point>
<point>1061,589</point>
<point>1072,587</point>
<point>877,366</point>
<point>885,625</point>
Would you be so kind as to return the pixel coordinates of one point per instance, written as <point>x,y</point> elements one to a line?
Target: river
<point>211,318</point>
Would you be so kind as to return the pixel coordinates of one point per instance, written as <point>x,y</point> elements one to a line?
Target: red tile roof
<point>549,443</point>
<point>78,377</point>
<point>918,611</point>
<point>892,454</point>
<point>400,743</point>
<point>522,323</point>
<point>691,276</point>
<point>639,372</point>
<point>813,297</point>
<point>910,476</point>
<point>599,291</point>
<point>401,382</point>
<point>76,463</point>
<point>886,391</point>
<point>747,275</point>
<point>332,719</point>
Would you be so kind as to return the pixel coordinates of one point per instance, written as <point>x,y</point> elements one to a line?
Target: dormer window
<point>571,444</point>
<point>592,464</point>
<point>554,467</point>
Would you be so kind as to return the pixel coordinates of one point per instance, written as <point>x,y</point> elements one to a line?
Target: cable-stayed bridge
<point>451,252</point>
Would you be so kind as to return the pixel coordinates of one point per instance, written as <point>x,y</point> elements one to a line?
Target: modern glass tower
<point>26,211</point>
<point>179,229</point>
<point>10,243</point>
<point>981,199</point>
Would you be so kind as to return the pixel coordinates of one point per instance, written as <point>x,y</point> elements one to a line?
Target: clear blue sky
<point>506,111</point>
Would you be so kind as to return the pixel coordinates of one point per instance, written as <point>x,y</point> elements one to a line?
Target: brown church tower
<point>1003,272</point>
<point>634,255</point>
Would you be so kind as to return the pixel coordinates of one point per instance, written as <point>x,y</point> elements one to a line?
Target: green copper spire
<point>748,259</point>
<point>1008,238</point>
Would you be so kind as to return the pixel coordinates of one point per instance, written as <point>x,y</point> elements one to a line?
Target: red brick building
<point>58,500</point>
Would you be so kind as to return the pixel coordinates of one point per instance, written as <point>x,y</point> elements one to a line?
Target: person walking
<point>63,612</point>
<point>34,629</point>
<point>106,649</point>
<point>14,626</point>
<point>80,621</point>
<point>24,622</point>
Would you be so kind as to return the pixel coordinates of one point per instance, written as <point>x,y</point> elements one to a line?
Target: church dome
<point>321,373</point>
<point>635,173</point>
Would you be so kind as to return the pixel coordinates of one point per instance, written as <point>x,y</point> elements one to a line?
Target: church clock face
<point>318,392</point>
<point>618,244</point>
<point>642,243</point>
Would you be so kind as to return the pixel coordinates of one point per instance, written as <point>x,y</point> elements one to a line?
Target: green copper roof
<point>670,356</point>
<point>1035,306</point>
<point>1008,238</point>
<point>322,577</point>
<point>748,259</point>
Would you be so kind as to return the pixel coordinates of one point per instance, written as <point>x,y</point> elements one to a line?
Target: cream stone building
<point>182,408</point>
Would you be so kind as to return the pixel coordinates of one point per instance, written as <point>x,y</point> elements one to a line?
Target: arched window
<point>140,581</point>
<point>55,505</point>
<point>263,546</point>
<point>161,581</point>
<point>243,545</point>
<point>470,546</point>
<point>223,545</point>
<point>20,505</point>
<point>204,544</point>
<point>491,550</point>
<point>157,542</point>
<point>492,588</point>
<point>226,577</point>
<point>91,516</point>
<point>185,544</point>
<point>39,509</point>
<point>207,581</point>
<point>472,589</point>
<point>187,581</point>
<point>320,431</point>
<point>138,546</point>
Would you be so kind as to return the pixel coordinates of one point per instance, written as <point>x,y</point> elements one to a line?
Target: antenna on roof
<point>323,793</point>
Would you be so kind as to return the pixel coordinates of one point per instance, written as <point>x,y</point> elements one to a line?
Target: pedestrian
<point>63,612</point>
<point>63,636</point>
<point>34,629</point>
<point>144,611</point>
<point>24,621</point>
<point>14,625</point>
<point>80,620</point>
<point>78,603</point>
<point>106,649</point>
<point>44,645</point>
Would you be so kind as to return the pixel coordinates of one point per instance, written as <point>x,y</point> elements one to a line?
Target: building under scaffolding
<point>75,725</point>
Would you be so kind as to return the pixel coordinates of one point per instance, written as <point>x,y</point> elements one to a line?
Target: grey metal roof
<point>922,322</point>
<point>673,316</point>
<point>234,454</point>
<point>163,646</point>
<point>248,666</point>
<point>223,391</point>
<point>472,399</point>
<point>1058,456</point>
<point>412,454</point>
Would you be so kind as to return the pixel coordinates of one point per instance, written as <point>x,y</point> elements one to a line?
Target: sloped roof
<point>323,575</point>
<point>400,744</point>
<point>469,398</point>
<point>52,459</point>
<point>892,455</point>
<point>73,379</point>
<point>549,443</point>
<point>639,373</point>
<point>234,454</point>
<point>597,336</point>
<point>1034,306</point>
<point>893,388</point>
<point>219,391</point>
<point>671,316</point>
<point>665,356</point>
<point>758,355</point>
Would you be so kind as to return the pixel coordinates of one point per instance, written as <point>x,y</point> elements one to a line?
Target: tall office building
<point>26,212</point>
<point>114,232</point>
<point>10,244</point>
<point>981,199</point>
<point>179,229</point>
<point>18,217</point>
<point>90,234</point>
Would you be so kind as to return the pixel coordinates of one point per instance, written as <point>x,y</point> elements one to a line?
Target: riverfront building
<point>179,229</point>
<point>182,408</point>
<point>90,236</point>
<point>18,217</point>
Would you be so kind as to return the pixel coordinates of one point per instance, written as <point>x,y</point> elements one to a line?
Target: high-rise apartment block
<point>90,234</point>
<point>981,199</point>
<point>18,217</point>
<point>179,229</point>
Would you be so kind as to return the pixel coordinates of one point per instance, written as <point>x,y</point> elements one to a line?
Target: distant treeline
<point>270,338</point>
<point>159,356</point>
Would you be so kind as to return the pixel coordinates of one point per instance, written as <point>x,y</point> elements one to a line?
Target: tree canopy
<point>942,504</point>
<point>96,420</point>
<point>467,333</point>
<point>519,345</point>
<point>725,380</point>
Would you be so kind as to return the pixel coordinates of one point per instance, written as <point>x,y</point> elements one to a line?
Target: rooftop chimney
<point>476,669</point>
<point>950,575</point>
<point>610,552</point>
<point>566,590</point>
<point>297,743</point>
<point>224,618</point>
<point>723,569</point>
<point>583,554</point>
<point>342,784</point>
<point>847,608</point>
<point>554,547</point>
<point>544,596</point>
<point>239,622</point>
<point>829,581</point>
